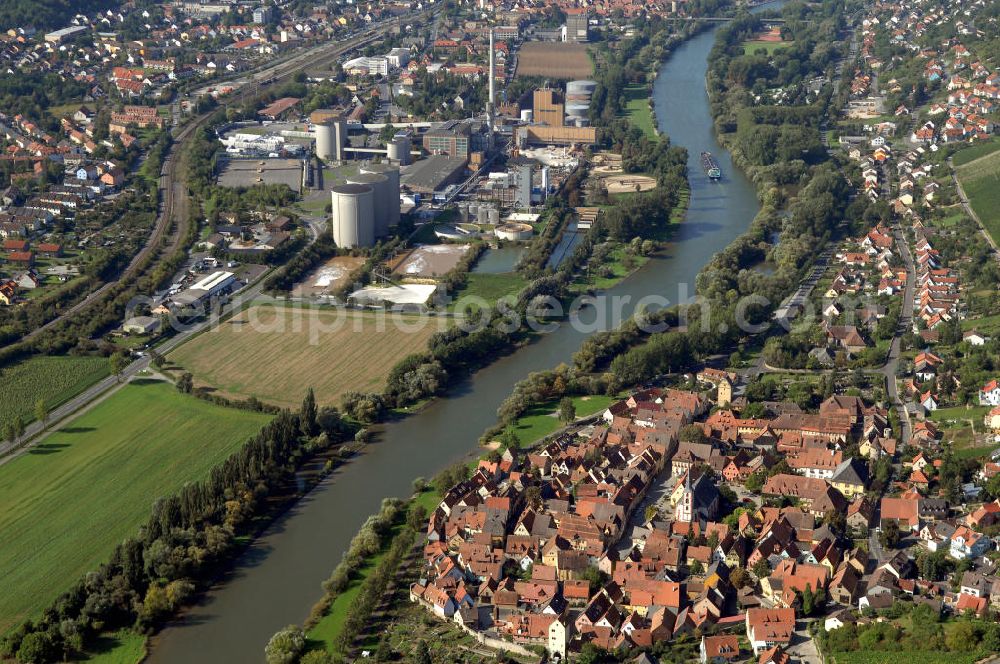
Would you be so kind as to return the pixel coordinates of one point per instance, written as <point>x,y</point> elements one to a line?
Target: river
<point>278,578</point>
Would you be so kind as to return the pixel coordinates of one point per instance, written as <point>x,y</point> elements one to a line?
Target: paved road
<point>803,647</point>
<point>875,549</point>
<point>891,367</point>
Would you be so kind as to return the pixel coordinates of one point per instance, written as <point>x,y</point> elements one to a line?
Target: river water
<point>278,578</point>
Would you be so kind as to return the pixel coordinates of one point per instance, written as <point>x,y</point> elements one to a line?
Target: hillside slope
<point>47,14</point>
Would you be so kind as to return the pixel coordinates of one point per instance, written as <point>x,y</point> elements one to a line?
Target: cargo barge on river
<point>711,166</point>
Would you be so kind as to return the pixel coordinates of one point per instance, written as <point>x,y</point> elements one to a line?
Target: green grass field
<point>981,181</point>
<point>752,45</point>
<point>616,263</point>
<point>965,155</point>
<point>55,379</point>
<point>69,500</point>
<point>637,108</point>
<point>123,647</point>
<point>490,287</point>
<point>986,325</point>
<point>974,413</point>
<point>541,420</point>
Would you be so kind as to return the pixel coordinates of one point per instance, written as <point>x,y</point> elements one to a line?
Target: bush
<point>285,646</point>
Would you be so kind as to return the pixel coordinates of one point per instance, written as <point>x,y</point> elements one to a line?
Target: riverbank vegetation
<point>190,534</point>
<point>358,585</point>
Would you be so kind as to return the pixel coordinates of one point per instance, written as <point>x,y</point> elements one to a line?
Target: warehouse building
<point>433,174</point>
<point>214,285</point>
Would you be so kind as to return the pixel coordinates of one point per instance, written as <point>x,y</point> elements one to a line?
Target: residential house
<point>989,394</point>
<point>767,628</point>
<point>719,649</point>
<point>850,477</point>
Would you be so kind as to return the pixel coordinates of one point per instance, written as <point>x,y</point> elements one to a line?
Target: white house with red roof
<point>989,395</point>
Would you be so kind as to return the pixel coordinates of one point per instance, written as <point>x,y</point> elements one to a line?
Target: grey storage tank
<point>331,137</point>
<point>483,216</point>
<point>391,172</point>
<point>325,136</point>
<point>380,186</point>
<point>353,215</point>
<point>398,149</point>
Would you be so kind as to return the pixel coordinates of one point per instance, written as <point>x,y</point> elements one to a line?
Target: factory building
<point>527,135</point>
<point>456,138</point>
<point>577,25</point>
<point>548,107</point>
<point>522,185</point>
<point>353,215</point>
<point>450,138</point>
<point>215,284</point>
<point>279,108</point>
<point>434,173</point>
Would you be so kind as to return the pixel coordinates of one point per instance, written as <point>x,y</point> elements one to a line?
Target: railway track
<point>172,192</point>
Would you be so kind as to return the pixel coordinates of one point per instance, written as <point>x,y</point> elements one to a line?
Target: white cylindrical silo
<point>398,149</point>
<point>380,185</point>
<point>353,215</point>
<point>391,172</point>
<point>494,216</point>
<point>325,141</point>
<point>484,214</point>
<point>582,87</point>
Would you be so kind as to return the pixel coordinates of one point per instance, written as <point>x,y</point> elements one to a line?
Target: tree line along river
<point>277,579</point>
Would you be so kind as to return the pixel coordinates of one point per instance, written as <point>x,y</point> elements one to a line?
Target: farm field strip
<point>71,499</point>
<point>554,60</point>
<point>981,181</point>
<point>278,366</point>
<point>54,379</point>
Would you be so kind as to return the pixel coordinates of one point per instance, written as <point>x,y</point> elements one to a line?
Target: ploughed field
<point>68,501</point>
<point>277,353</point>
<point>554,60</point>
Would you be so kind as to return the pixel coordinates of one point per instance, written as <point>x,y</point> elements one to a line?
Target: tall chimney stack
<point>490,113</point>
